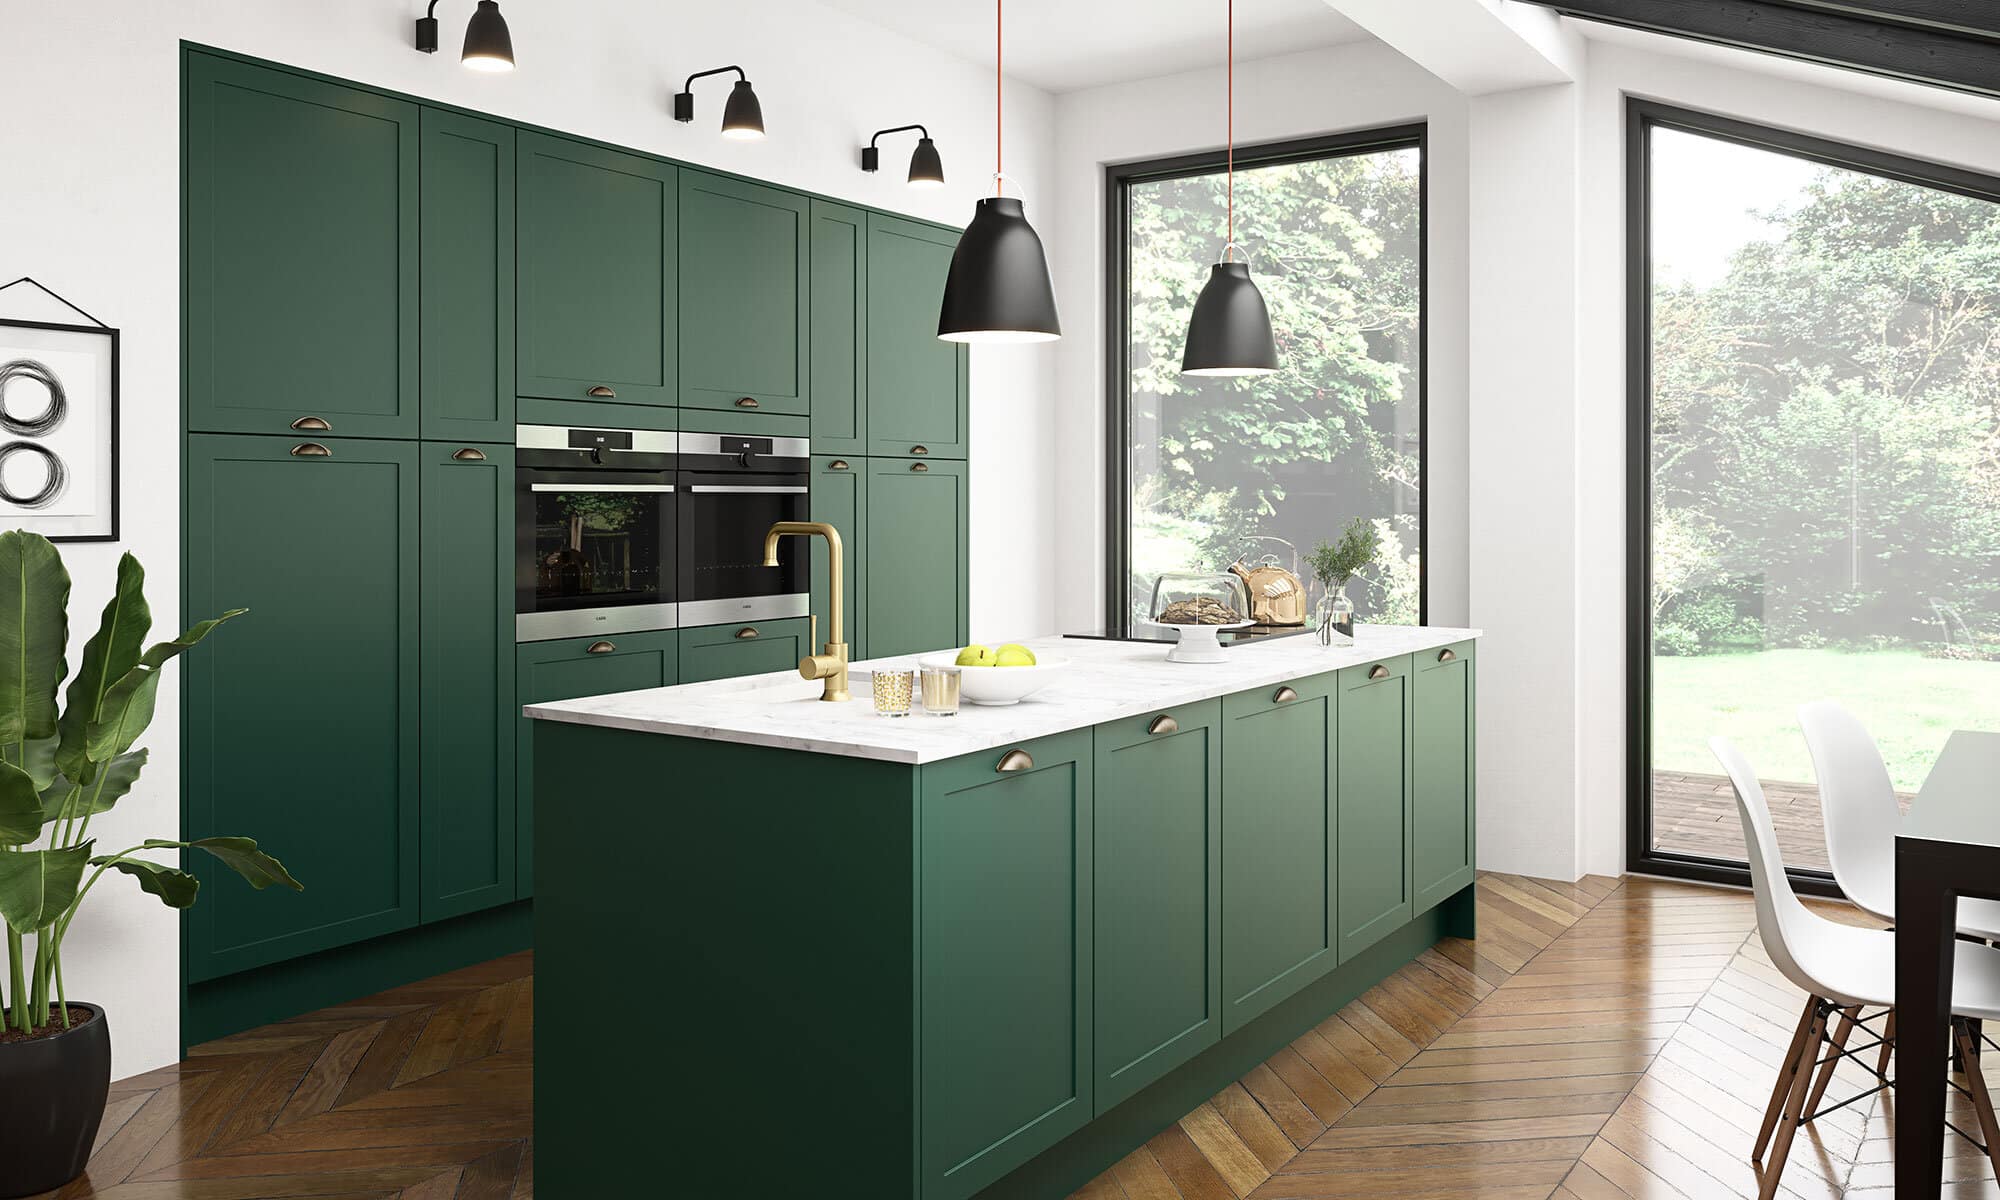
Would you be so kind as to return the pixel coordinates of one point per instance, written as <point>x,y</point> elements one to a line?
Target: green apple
<point>976,655</point>
<point>1013,654</point>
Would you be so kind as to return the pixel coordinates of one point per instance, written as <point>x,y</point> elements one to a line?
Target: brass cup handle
<point>747,632</point>
<point>469,454</point>
<point>838,464</point>
<point>1378,671</point>
<point>1163,724</point>
<point>311,450</point>
<point>601,392</point>
<point>747,402</point>
<point>312,424</point>
<point>920,449</point>
<point>920,467</point>
<point>1284,695</point>
<point>601,648</point>
<point>1016,760</point>
<point>1447,655</point>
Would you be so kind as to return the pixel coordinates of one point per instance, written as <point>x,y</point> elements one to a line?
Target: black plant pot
<point>52,1093</point>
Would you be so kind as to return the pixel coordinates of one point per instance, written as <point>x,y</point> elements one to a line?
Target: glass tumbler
<point>891,687</point>
<point>941,691</point>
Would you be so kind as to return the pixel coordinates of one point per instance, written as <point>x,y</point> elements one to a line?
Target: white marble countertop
<point>1105,681</point>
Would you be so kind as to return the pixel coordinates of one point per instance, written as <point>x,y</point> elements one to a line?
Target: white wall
<point>91,204</point>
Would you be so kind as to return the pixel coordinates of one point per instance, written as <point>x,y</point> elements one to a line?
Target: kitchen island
<point>787,941</point>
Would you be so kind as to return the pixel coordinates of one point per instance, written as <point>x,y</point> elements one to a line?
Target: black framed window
<point>1814,357</point>
<point>1203,471</point>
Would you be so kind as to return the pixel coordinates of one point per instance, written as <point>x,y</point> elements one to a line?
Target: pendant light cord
<point>997,99</point>
<point>1230,108</point>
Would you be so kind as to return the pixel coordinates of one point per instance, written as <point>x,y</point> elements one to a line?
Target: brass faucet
<point>831,663</point>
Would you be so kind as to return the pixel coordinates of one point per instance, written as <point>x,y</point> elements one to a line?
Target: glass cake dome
<point>1198,603</point>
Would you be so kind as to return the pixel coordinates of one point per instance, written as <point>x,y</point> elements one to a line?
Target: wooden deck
<point>1696,814</point>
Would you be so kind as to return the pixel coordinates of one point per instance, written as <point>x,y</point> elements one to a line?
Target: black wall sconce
<point>926,168</point>
<point>488,45</point>
<point>742,116</point>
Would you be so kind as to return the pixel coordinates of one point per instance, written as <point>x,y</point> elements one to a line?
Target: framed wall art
<point>59,428</point>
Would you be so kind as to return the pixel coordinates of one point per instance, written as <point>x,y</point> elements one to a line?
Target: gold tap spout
<point>831,663</point>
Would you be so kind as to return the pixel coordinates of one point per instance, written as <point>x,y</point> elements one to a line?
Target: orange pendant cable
<point>997,76</point>
<point>1231,133</point>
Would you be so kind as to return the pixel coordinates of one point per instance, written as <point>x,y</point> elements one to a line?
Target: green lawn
<point>1910,703</point>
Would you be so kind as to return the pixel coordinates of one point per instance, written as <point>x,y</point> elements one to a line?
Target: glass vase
<point>1336,618</point>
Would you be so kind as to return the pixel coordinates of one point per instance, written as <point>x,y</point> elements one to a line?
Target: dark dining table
<point>1948,846</point>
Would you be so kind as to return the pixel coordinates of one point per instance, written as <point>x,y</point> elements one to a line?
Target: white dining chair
<point>1843,970</point>
<point>1858,804</point>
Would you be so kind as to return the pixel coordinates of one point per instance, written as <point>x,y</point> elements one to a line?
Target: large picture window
<point>1205,471</point>
<point>1816,468</point>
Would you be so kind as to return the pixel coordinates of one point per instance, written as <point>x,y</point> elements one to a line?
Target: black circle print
<point>52,416</point>
<point>52,486</point>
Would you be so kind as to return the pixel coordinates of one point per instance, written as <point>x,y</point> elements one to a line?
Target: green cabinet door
<point>917,385</point>
<point>1004,903</point>
<point>1157,846</point>
<point>744,268</point>
<point>916,556</point>
<point>1278,896</point>
<point>1374,803</point>
<point>566,670</point>
<point>466,257</point>
<point>753,648</point>
<point>839,329</point>
<point>467,708</point>
<point>596,273</point>
<point>300,254</point>
<point>302,715</point>
<point>840,498</point>
<point>1442,815</point>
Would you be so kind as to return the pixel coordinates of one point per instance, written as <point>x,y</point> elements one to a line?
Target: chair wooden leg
<point>1788,1123</point>
<point>1982,1102</point>
<point>1841,1033</point>
<point>1787,1071</point>
<point>1888,1044</point>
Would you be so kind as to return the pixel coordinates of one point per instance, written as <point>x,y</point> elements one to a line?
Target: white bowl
<point>999,685</point>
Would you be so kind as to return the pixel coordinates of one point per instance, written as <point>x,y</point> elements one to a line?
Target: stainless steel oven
<point>732,489</point>
<point>595,531</point>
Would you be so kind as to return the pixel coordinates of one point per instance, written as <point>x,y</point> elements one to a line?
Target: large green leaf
<point>38,886</point>
<point>107,787</point>
<point>20,807</point>
<point>128,704</point>
<point>241,855</point>
<point>34,627</point>
<point>121,632</point>
<point>38,755</point>
<point>175,888</point>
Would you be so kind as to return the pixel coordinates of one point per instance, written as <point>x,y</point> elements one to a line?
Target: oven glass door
<point>723,519</point>
<point>593,540</point>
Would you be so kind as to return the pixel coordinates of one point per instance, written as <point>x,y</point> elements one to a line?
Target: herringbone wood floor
<point>424,1093</point>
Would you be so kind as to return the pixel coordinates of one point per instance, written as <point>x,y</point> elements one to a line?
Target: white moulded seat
<point>1858,803</point>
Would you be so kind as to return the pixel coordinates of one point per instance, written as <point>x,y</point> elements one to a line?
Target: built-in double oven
<point>625,530</point>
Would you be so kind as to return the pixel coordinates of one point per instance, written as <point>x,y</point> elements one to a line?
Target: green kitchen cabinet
<point>466,631</point>
<point>916,556</point>
<point>465,254</point>
<point>566,670</point>
<point>1278,841</point>
<point>840,498</point>
<point>1157,846</point>
<point>839,348</point>
<point>745,264</point>
<point>303,714</point>
<point>1004,859</point>
<point>596,273</point>
<point>747,648</point>
<point>299,256</point>
<point>1443,734</point>
<point>918,386</point>
<point>1374,803</point>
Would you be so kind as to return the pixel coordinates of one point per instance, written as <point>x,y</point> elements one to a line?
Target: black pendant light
<point>742,115</point>
<point>998,289</point>
<point>926,168</point>
<point>488,46</point>
<point>1230,331</point>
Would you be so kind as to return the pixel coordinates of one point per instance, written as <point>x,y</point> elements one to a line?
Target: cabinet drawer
<point>750,648</point>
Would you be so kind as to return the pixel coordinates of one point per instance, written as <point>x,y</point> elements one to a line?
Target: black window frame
<point>1641,118</point>
<point>1118,179</point>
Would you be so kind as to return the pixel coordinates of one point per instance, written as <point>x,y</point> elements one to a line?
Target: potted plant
<point>1333,564</point>
<point>59,767</point>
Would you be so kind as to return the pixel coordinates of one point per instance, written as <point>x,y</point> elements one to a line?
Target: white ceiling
<point>1063,45</point>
